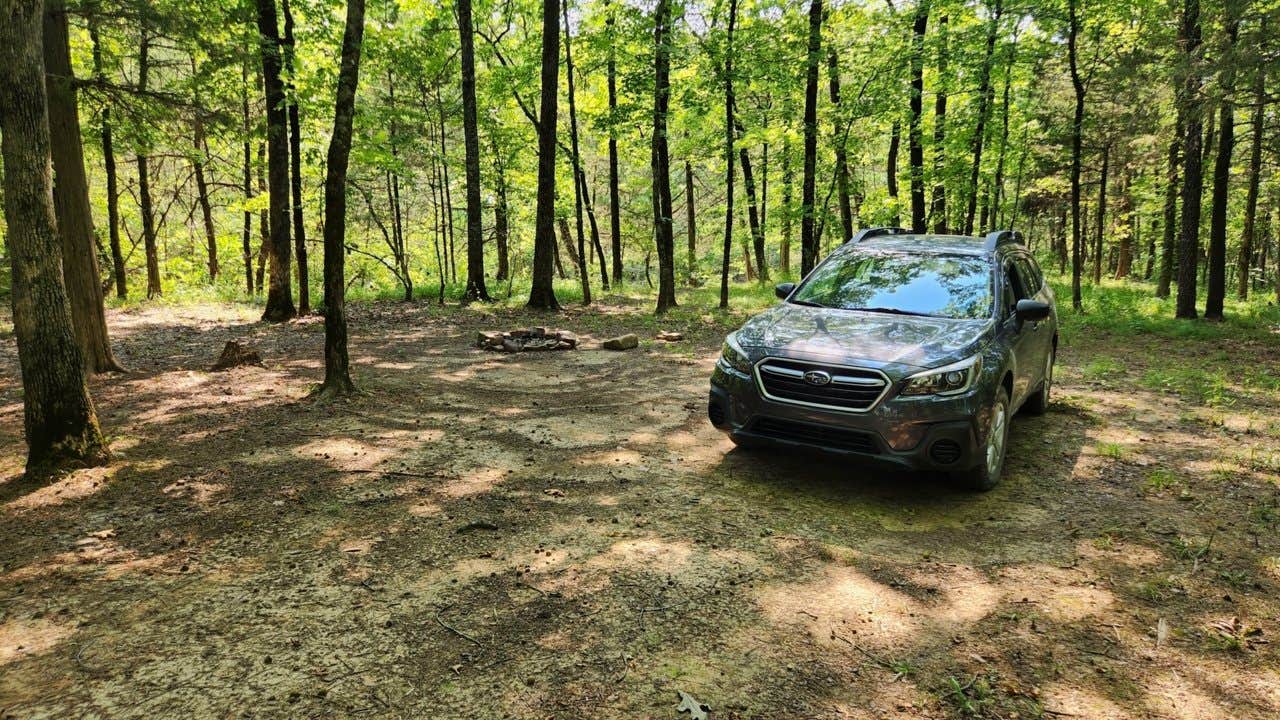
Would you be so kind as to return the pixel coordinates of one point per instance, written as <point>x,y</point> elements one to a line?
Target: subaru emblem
<point>817,377</point>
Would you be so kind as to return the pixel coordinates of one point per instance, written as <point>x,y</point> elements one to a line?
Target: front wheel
<point>987,474</point>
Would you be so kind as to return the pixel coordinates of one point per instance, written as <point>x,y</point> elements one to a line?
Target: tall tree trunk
<point>476,289</point>
<point>109,166</point>
<point>985,96</point>
<point>246,236</point>
<point>579,190</point>
<point>83,283</point>
<point>501,219</point>
<point>1077,130</point>
<point>589,205</point>
<point>59,420</point>
<point>1248,237</point>
<point>145,205</point>
<point>753,214</point>
<point>295,159</point>
<point>915,135</point>
<point>997,211</point>
<point>1101,218</point>
<point>615,219</point>
<point>199,153</point>
<point>660,161</point>
<point>938,203</point>
<point>841,152</point>
<point>1170,230</point>
<point>729,135</point>
<point>784,250</point>
<point>279,293</point>
<point>691,227</point>
<point>1125,233</point>
<point>264,222</point>
<point>891,169</point>
<point>1193,178</point>
<point>337,366</point>
<point>808,234</point>
<point>542,293</point>
<point>1217,286</point>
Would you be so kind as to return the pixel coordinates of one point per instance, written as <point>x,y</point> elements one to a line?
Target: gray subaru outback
<point>899,348</point>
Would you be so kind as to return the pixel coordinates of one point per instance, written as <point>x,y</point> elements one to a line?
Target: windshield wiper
<point>808,303</point>
<point>893,311</point>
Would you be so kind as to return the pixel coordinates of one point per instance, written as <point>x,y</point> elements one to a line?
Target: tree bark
<point>280,305</point>
<point>615,220</point>
<point>1101,215</point>
<point>501,218</point>
<point>144,179</point>
<point>109,167</point>
<point>1125,232</point>
<point>938,203</point>
<point>808,234</point>
<point>295,159</point>
<point>1248,238</point>
<point>841,152</point>
<point>660,161</point>
<point>1193,182</point>
<point>1170,230</point>
<point>1077,129</point>
<point>246,236</point>
<point>891,169</point>
<point>579,189</point>
<point>476,289</point>
<point>199,153</point>
<point>542,293</point>
<point>753,213</point>
<point>82,280</point>
<point>1217,286</point>
<point>915,135</point>
<point>691,228</point>
<point>784,250</point>
<point>59,420</point>
<point>985,96</point>
<point>337,365</point>
<point>729,134</point>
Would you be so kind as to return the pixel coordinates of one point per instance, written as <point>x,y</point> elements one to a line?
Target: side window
<point>1032,280</point>
<point>1013,291</point>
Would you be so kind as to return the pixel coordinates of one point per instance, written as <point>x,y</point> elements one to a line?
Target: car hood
<point>849,335</point>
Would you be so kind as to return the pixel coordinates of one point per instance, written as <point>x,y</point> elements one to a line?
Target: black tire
<point>1038,403</point>
<point>744,443</point>
<point>987,473</point>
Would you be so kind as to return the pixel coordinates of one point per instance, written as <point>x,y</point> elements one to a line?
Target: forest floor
<point>564,535</point>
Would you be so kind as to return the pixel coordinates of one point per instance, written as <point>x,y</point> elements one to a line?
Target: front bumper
<point>927,433</point>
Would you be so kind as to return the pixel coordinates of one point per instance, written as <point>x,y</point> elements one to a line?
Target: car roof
<point>933,244</point>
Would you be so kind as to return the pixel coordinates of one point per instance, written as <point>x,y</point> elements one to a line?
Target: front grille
<point>945,452</point>
<point>849,389</point>
<point>825,436</point>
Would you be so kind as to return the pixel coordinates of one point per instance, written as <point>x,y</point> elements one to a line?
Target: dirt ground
<point>563,535</point>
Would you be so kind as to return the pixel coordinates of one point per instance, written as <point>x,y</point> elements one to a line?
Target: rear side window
<point>1029,273</point>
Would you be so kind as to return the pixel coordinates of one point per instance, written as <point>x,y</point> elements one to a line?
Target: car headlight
<point>949,380</point>
<point>733,357</point>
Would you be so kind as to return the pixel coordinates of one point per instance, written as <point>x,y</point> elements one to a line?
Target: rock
<point>235,354</point>
<point>622,342</point>
<point>670,336</point>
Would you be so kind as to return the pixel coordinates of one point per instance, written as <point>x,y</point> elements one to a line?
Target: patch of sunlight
<point>198,490</point>
<point>474,482</point>
<point>1173,695</point>
<point>346,453</point>
<point>1059,594</point>
<point>1061,699</point>
<point>23,638</point>
<point>966,596</point>
<point>73,486</point>
<point>843,605</point>
<point>652,554</point>
<point>561,431</point>
<point>616,457</point>
<point>426,509</point>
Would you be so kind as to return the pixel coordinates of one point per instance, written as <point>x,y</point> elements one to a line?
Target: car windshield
<point>952,286</point>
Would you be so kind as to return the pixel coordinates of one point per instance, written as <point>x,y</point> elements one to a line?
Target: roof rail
<point>868,233</point>
<point>995,239</point>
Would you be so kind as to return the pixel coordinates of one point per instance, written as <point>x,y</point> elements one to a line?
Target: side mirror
<point>1032,310</point>
<point>782,290</point>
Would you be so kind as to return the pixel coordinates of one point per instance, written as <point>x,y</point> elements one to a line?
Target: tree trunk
<point>59,420</point>
<point>753,214</point>
<point>1101,218</point>
<point>1217,286</point>
<point>1125,233</point>
<point>246,236</point>
<point>691,228</point>
<point>729,134</point>
<point>841,153</point>
<point>501,218</point>
<point>109,166</point>
<point>295,158</point>
<point>144,180</point>
<point>200,152</point>
<point>1193,182</point>
<point>938,203</point>
<point>915,135</point>
<point>985,96</point>
<point>660,162</point>
<point>1077,129</point>
<point>891,170</point>
<point>808,234</point>
<point>476,289</point>
<point>579,190</point>
<point>784,250</point>
<point>1248,238</point>
<point>615,220</point>
<point>264,222</point>
<point>83,283</point>
<point>542,293</point>
<point>1170,233</point>
<point>997,204</point>
<point>337,366</point>
<point>279,293</point>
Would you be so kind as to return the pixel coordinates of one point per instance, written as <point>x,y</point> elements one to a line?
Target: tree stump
<point>235,354</point>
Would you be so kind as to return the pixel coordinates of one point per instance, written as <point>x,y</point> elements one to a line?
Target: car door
<point>1021,336</point>
<point>1041,332</point>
